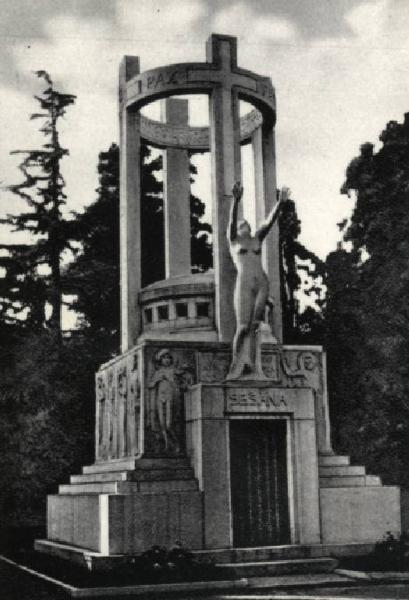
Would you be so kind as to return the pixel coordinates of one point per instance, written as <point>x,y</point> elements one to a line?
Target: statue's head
<point>307,361</point>
<point>244,228</point>
<point>163,358</point>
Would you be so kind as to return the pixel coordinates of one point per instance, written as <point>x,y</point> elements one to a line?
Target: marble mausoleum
<point>184,450</point>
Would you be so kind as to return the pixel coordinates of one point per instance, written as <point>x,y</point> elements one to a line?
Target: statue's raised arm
<point>237,193</point>
<point>272,217</point>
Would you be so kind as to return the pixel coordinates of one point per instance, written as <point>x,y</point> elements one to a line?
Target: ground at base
<point>17,584</point>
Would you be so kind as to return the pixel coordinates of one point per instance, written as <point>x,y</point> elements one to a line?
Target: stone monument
<point>191,443</point>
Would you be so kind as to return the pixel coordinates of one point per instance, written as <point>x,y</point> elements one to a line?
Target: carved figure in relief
<point>164,394</point>
<point>111,415</point>
<point>133,406</point>
<point>214,366</point>
<point>307,372</point>
<point>122,411</point>
<point>101,397</point>
<point>251,294</point>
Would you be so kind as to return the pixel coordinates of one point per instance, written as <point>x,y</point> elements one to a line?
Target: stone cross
<point>226,170</point>
<point>176,194</point>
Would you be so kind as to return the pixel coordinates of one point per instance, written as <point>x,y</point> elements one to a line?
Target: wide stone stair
<point>133,475</point>
<point>336,471</point>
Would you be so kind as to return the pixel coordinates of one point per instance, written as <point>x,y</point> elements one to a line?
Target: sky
<point>340,69</point>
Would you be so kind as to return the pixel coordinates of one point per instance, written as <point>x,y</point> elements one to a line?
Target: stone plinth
<point>359,513</point>
<point>127,507</point>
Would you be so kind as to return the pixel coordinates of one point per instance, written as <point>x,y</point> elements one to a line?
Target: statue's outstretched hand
<point>237,191</point>
<point>284,194</point>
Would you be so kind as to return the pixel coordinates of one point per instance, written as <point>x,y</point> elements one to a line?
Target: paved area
<point>18,585</point>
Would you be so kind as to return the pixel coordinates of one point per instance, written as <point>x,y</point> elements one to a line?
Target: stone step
<point>373,480</point>
<point>279,567</point>
<point>110,487</point>
<point>184,472</point>
<point>109,476</point>
<point>131,464</point>
<point>129,487</point>
<point>353,481</point>
<point>333,460</point>
<point>161,474</point>
<point>341,471</point>
<point>111,466</point>
<point>265,553</point>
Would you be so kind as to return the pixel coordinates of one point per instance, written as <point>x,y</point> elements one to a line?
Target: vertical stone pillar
<point>263,143</point>
<point>130,218</point>
<point>226,169</point>
<point>176,194</point>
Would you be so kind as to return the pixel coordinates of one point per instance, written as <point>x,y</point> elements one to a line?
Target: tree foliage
<point>23,289</point>
<point>367,314</point>
<point>300,273</point>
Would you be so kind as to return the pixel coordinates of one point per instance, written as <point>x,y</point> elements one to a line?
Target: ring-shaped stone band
<point>194,139</point>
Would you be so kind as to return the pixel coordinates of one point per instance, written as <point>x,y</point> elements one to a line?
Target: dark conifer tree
<point>23,289</point>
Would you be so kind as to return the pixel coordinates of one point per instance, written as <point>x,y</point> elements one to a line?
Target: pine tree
<point>24,291</point>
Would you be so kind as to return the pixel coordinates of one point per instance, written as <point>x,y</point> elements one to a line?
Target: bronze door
<point>259,490</point>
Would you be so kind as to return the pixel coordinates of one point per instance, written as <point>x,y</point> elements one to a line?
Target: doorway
<point>259,482</point>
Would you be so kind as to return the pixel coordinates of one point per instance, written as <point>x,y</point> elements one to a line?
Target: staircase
<point>336,471</point>
<point>133,475</point>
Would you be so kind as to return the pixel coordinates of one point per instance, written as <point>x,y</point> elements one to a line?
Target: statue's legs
<point>260,303</point>
<point>244,303</point>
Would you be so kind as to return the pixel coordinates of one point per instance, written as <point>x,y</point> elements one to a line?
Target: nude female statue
<point>251,293</point>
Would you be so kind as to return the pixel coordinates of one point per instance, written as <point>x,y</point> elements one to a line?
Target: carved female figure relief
<point>133,405</point>
<point>251,294</point>
<point>163,397</point>
<point>101,395</point>
<point>122,411</point>
<point>111,414</point>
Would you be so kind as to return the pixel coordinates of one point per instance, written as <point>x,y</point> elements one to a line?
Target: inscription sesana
<point>250,400</point>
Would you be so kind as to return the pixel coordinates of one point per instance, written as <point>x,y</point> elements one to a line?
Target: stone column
<point>226,169</point>
<point>263,143</point>
<point>176,194</point>
<point>130,196</point>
